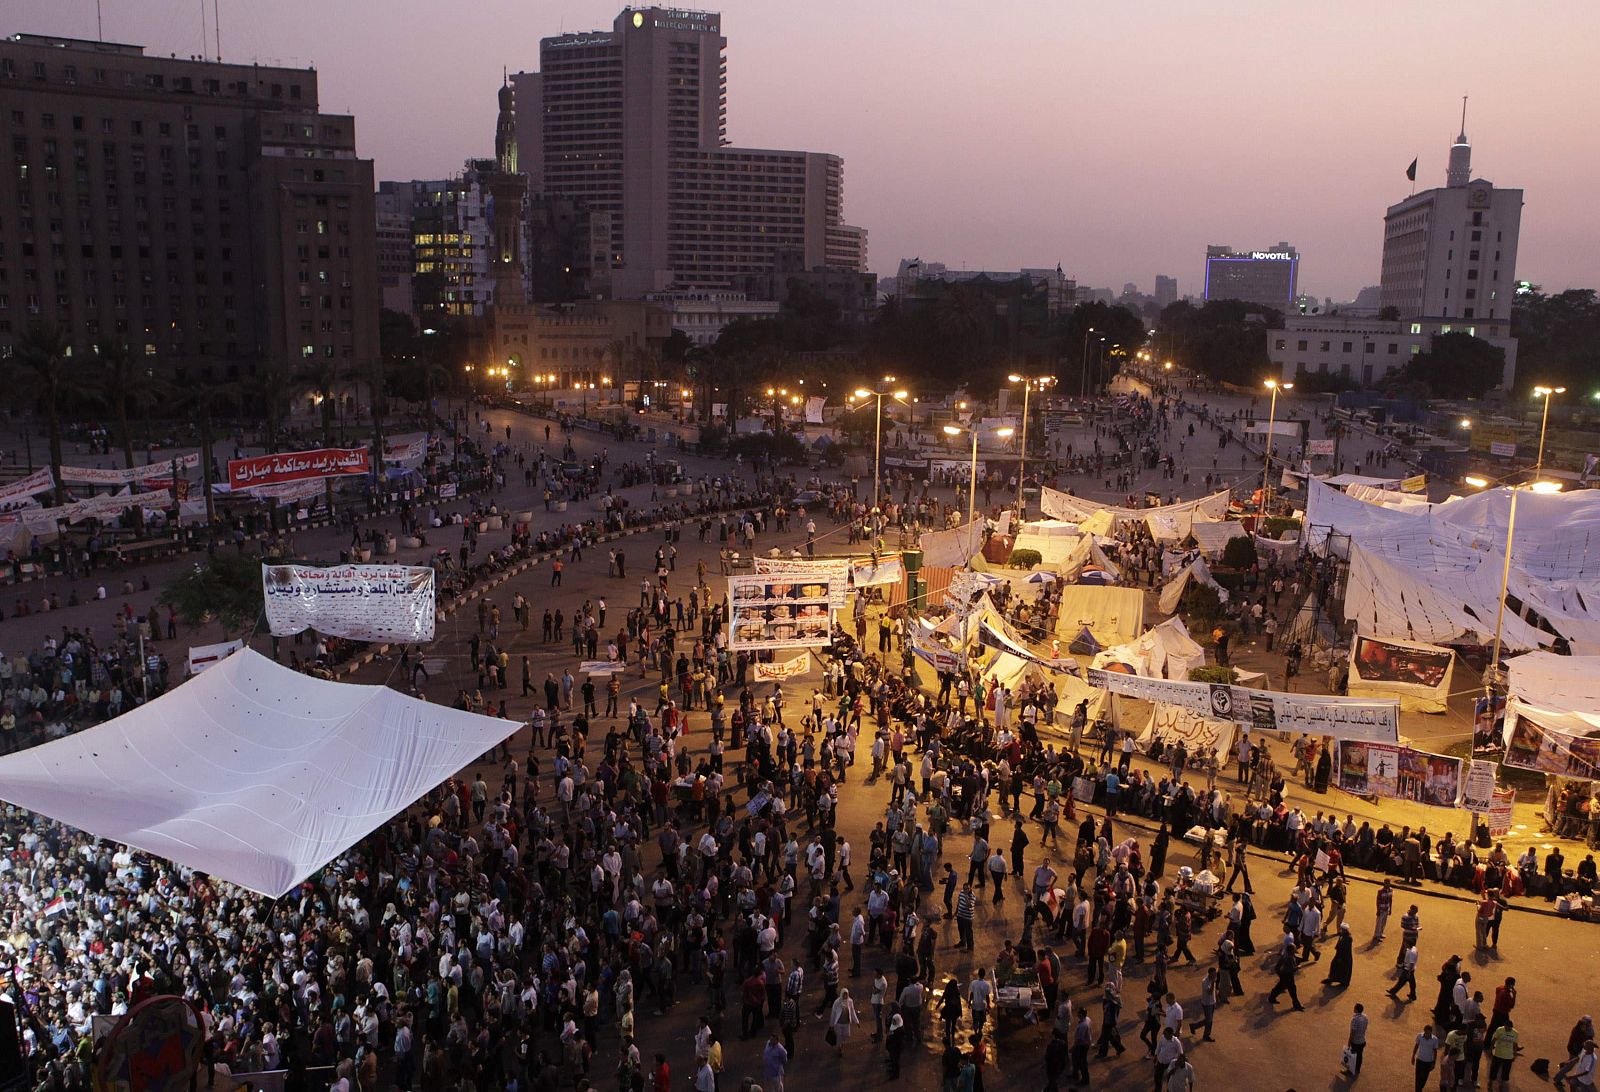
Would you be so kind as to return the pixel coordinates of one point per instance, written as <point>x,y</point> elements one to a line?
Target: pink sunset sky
<point>1117,139</point>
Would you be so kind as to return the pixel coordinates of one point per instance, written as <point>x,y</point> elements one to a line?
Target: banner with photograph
<point>1172,724</point>
<point>294,466</point>
<point>835,571</point>
<point>1565,744</point>
<point>1488,724</point>
<point>1415,673</point>
<point>786,669</point>
<point>1400,773</point>
<point>1377,720</point>
<point>361,602</point>
<point>780,611</point>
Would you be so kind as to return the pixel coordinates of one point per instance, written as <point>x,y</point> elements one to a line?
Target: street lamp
<point>1022,457</point>
<point>1266,467</point>
<point>1548,394</point>
<point>877,440</point>
<point>972,480</point>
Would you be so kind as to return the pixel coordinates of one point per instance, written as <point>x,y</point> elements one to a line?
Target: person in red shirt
<point>1505,999</point>
<point>661,1079</point>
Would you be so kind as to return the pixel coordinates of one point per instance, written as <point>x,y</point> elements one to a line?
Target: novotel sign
<point>1271,256</point>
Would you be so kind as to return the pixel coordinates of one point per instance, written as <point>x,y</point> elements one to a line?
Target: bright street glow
<point>1475,481</point>
<point>1466,422</point>
<point>1537,391</point>
<point>1546,487</point>
<point>900,394</point>
<point>1004,432</point>
<point>951,430</point>
<point>1014,378</point>
<point>863,393</point>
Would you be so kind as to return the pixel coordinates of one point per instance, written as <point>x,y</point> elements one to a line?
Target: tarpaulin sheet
<point>250,771</point>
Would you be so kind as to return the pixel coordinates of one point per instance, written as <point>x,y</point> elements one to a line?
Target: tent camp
<point>1164,652</point>
<point>1434,574</point>
<point>250,771</point>
<point>1213,538</point>
<point>1013,671</point>
<point>1168,523</point>
<point>953,547</point>
<point>1566,683</point>
<point>1172,592</point>
<point>1114,615</point>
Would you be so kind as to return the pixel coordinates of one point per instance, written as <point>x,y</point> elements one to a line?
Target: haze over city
<point>1117,140</point>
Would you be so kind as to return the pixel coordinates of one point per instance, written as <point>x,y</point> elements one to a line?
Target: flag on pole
<point>1411,171</point>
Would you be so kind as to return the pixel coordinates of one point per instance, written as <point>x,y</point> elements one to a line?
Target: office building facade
<point>204,214</point>
<point>632,122</point>
<point>1266,278</point>
<point>1450,253</point>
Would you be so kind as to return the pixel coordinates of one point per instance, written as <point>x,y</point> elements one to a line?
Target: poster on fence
<point>1390,770</point>
<point>1171,725</point>
<point>1083,790</point>
<point>1565,744</point>
<point>294,466</point>
<point>786,669</point>
<point>1416,674</point>
<point>361,602</point>
<point>779,612</point>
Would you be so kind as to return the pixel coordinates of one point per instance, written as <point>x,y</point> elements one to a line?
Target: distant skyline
<point>1116,140</point>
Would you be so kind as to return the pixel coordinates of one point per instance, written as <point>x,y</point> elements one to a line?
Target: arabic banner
<point>1199,735</point>
<point>601,667</point>
<point>888,570</point>
<point>1388,769</point>
<point>1501,811</point>
<point>406,451</point>
<point>788,669</point>
<point>1377,720</point>
<point>1477,791</point>
<point>780,612</point>
<point>1418,674</point>
<point>40,481</point>
<point>126,475</point>
<point>1319,447</point>
<point>362,602</point>
<point>293,466</point>
<point>1542,744</point>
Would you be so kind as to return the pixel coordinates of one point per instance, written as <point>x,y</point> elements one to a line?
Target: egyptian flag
<point>1411,171</point>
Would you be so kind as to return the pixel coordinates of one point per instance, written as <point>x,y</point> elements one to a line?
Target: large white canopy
<point>1434,574</point>
<point>250,771</point>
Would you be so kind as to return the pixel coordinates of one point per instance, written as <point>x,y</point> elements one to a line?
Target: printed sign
<point>362,602</point>
<point>1319,447</point>
<point>780,611</point>
<point>1390,770</point>
<point>1173,725</point>
<point>1477,790</point>
<point>1488,724</point>
<point>836,571</point>
<point>1501,811</point>
<point>1316,715</point>
<point>1503,449</point>
<point>204,656</point>
<point>887,570</point>
<point>294,466</point>
<point>1414,484</point>
<point>40,481</point>
<point>1531,746</point>
<point>787,669</point>
<point>125,475</point>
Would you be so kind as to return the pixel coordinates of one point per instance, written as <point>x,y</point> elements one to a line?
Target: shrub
<point>1025,559</point>
<point>713,437</point>
<point>784,447</point>
<point>1224,675</point>
<point>1276,525</point>
<point>1200,605</point>
<point>1239,553</point>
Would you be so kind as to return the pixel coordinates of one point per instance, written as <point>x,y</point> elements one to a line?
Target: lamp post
<point>972,478</point>
<point>877,438</point>
<point>1266,467</point>
<point>1548,394</point>
<point>1022,457</point>
<point>1083,376</point>
<point>1540,487</point>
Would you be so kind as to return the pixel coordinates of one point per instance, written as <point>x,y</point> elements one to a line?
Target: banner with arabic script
<point>293,466</point>
<point>362,602</point>
<point>787,669</point>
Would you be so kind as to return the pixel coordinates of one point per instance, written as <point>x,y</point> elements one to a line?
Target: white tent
<point>1169,522</point>
<point>1213,538</point>
<point>1563,683</point>
<point>1172,592</point>
<point>954,547</point>
<point>1434,574</point>
<point>254,773</point>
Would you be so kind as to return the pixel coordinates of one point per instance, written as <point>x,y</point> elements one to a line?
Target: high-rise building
<point>1166,290</point>
<point>204,214</point>
<point>632,122</point>
<point>1450,253</point>
<point>1266,278</point>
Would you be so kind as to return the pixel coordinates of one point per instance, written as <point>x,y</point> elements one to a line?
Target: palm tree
<point>204,400</point>
<point>115,381</point>
<point>268,389</point>
<point>42,354</point>
<point>322,379</point>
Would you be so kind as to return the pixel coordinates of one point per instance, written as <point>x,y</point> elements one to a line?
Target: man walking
<point>1424,1053</point>
<point>1408,973</point>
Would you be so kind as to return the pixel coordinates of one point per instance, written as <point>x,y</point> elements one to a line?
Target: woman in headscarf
<point>895,1042</point>
<point>842,1019</point>
<point>1343,959</point>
